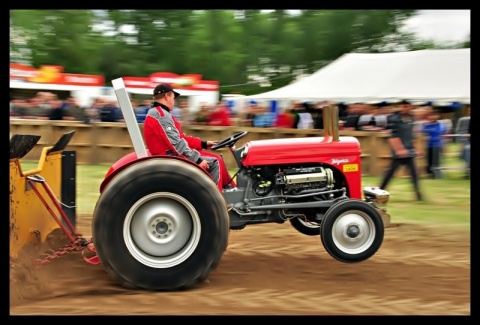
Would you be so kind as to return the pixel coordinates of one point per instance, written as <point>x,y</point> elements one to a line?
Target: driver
<point>163,136</point>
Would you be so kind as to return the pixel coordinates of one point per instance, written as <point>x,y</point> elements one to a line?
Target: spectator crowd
<point>47,106</point>
<point>300,115</point>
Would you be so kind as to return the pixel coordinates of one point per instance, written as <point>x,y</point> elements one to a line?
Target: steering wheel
<point>230,141</point>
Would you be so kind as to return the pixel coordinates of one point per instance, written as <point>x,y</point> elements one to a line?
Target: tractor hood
<point>302,150</point>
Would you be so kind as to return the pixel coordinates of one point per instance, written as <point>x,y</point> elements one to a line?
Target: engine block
<point>305,177</point>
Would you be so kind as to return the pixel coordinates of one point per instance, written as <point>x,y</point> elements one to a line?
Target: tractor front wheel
<point>352,231</point>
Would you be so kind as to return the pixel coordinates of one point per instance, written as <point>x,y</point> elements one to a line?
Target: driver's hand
<point>211,143</point>
<point>204,165</point>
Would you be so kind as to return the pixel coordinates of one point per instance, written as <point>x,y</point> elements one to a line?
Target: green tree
<point>242,49</point>
<point>59,37</point>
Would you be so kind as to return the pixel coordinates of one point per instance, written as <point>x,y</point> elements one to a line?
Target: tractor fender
<point>131,159</point>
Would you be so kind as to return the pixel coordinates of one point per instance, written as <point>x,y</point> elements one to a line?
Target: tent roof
<point>425,75</point>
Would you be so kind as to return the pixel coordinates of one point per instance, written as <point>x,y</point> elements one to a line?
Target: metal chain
<point>79,244</point>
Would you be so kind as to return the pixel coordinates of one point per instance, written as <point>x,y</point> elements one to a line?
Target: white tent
<point>441,76</point>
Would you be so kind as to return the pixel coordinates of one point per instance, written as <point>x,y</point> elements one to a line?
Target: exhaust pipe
<point>330,122</point>
<point>334,121</point>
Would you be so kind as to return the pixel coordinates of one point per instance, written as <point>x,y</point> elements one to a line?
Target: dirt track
<point>272,269</point>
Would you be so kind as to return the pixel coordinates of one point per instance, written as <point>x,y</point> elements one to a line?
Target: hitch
<point>77,241</point>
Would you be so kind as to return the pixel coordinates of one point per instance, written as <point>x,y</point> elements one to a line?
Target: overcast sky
<point>441,25</point>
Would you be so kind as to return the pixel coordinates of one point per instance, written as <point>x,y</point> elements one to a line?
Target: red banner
<point>186,81</point>
<point>53,74</point>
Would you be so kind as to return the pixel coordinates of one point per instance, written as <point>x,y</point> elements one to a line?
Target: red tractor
<point>161,223</point>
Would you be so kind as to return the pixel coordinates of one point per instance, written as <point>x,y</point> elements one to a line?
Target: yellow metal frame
<point>30,220</point>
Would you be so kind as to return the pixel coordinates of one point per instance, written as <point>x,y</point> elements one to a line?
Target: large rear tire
<point>160,224</point>
<point>352,231</point>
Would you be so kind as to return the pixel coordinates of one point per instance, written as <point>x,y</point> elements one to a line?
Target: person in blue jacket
<point>433,130</point>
